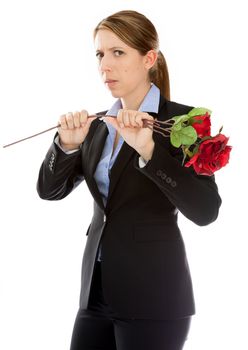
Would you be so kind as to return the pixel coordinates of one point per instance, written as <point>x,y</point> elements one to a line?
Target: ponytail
<point>159,75</point>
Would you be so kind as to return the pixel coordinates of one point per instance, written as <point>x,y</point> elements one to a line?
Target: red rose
<point>212,155</point>
<point>203,128</point>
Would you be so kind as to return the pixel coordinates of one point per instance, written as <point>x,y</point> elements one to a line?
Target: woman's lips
<point>110,82</point>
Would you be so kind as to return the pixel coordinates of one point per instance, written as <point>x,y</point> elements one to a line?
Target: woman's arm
<point>61,170</point>
<point>59,174</point>
<point>196,196</point>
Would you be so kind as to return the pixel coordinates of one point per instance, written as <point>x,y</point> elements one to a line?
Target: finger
<point>113,121</point>
<point>139,120</point>
<point>126,118</point>
<point>134,118</point>
<point>76,119</point>
<point>90,120</point>
<point>83,117</point>
<point>69,120</point>
<point>142,118</point>
<point>148,116</point>
<point>119,118</point>
<point>62,122</point>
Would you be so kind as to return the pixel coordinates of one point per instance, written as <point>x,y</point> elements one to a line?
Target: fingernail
<point>121,125</point>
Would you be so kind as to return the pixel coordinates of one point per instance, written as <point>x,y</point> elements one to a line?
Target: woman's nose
<point>105,64</point>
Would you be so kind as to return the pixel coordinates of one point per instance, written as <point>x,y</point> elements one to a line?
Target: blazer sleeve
<point>59,174</point>
<point>196,196</point>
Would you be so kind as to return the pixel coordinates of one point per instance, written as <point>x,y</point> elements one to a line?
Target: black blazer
<point>145,273</point>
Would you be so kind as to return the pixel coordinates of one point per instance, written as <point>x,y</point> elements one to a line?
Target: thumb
<point>113,122</point>
<point>90,120</point>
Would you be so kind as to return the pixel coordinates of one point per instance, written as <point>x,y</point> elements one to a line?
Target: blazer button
<point>168,180</point>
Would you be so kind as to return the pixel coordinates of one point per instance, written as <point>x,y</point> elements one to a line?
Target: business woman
<point>136,289</point>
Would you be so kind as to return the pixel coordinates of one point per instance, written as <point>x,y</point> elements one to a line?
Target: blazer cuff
<point>56,141</point>
<point>142,162</point>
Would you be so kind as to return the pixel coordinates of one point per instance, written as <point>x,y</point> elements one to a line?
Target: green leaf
<point>175,139</point>
<point>188,135</point>
<point>177,127</point>
<point>180,118</point>
<point>198,111</point>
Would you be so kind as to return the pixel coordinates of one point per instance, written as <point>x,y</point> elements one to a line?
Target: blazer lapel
<point>93,155</point>
<point>122,159</point>
<point>125,154</point>
<point>91,158</point>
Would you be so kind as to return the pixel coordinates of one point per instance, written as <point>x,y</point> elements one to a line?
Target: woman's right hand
<point>73,129</point>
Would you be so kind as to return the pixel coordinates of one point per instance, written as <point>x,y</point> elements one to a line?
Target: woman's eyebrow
<point>111,48</point>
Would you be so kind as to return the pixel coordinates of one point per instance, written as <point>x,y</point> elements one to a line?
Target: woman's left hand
<point>129,124</point>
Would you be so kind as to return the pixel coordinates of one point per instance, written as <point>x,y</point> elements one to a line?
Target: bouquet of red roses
<point>192,132</point>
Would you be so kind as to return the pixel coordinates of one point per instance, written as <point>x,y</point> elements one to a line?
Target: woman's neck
<point>134,100</point>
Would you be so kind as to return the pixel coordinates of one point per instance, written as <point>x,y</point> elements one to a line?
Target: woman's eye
<point>118,52</point>
<point>99,54</point>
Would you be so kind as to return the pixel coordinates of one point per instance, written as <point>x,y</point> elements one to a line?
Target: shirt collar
<point>149,104</point>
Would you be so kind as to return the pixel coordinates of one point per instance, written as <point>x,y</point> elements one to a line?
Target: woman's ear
<point>150,58</point>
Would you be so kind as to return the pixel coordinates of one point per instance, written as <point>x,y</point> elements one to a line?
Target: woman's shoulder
<point>173,108</point>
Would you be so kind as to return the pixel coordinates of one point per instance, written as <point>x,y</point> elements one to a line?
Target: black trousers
<point>97,328</point>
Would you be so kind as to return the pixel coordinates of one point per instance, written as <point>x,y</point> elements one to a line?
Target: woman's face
<point>122,68</point>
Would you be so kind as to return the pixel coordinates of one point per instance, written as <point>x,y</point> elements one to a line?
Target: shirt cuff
<point>142,162</point>
<point>56,140</point>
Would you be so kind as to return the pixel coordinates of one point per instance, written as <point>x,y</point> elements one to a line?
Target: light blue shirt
<point>149,104</point>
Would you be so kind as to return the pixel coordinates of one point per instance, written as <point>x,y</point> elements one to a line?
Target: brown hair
<point>137,31</point>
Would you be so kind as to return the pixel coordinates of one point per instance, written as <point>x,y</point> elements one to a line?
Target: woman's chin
<point>115,94</point>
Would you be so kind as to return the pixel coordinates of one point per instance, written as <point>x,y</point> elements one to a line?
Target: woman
<point>136,290</point>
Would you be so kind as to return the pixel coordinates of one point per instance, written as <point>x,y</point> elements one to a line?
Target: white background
<point>48,67</point>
